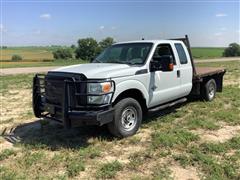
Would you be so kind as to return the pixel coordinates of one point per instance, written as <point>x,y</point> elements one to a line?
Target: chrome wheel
<point>211,90</point>
<point>129,118</point>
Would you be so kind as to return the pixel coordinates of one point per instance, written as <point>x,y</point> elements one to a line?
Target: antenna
<point>143,39</point>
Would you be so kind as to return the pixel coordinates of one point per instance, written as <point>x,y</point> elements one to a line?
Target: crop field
<point>207,53</point>
<point>195,140</point>
<point>42,56</point>
<point>28,53</point>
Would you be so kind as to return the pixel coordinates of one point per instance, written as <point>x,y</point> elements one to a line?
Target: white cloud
<point>218,34</point>
<point>113,27</point>
<point>45,16</point>
<point>101,27</point>
<point>2,28</point>
<point>221,15</point>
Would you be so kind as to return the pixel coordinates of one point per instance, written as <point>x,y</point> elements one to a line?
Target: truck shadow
<point>50,135</point>
<point>53,136</point>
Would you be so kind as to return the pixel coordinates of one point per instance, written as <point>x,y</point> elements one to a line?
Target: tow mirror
<point>162,63</point>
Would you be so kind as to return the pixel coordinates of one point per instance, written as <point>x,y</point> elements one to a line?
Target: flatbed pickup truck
<point>125,81</point>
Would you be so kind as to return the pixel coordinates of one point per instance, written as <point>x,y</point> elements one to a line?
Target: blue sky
<point>45,22</point>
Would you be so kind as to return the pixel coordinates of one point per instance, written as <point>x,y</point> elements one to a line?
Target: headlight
<point>103,99</point>
<point>104,90</point>
<point>99,88</point>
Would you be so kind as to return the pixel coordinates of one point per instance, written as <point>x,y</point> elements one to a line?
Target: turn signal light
<point>106,87</point>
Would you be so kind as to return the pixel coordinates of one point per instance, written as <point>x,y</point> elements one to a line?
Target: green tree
<point>105,43</point>
<point>16,57</point>
<point>87,49</point>
<point>232,50</point>
<point>73,46</point>
<point>62,53</point>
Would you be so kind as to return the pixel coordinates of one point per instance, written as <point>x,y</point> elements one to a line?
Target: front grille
<point>54,88</point>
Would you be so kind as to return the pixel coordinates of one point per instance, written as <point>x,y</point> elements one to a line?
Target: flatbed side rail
<point>185,40</point>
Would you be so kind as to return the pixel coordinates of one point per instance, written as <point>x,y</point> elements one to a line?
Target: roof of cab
<point>150,41</point>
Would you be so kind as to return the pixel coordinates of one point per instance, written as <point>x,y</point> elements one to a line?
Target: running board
<point>168,104</point>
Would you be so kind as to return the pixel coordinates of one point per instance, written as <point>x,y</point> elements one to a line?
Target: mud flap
<point>36,97</point>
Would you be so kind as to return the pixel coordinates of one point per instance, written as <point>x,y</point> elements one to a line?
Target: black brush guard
<point>68,112</point>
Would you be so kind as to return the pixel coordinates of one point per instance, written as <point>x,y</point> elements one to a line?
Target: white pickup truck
<point>122,84</point>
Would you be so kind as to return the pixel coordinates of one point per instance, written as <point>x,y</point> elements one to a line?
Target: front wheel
<point>127,118</point>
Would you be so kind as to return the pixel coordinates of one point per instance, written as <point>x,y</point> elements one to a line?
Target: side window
<point>181,53</point>
<point>162,50</point>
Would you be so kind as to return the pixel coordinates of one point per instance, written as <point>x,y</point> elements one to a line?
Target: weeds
<point>173,138</point>
<point>6,153</point>
<point>109,170</point>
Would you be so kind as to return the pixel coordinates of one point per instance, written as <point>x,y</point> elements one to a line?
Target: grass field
<point>207,53</point>
<point>28,53</point>
<point>181,142</point>
<point>42,56</point>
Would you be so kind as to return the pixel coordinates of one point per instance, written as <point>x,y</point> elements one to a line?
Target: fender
<point>130,84</point>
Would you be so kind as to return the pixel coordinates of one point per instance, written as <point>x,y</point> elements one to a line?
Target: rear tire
<point>127,118</point>
<point>209,90</point>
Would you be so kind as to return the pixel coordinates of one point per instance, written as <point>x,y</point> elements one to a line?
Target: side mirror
<point>162,63</point>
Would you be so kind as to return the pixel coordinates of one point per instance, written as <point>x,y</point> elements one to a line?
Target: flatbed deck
<point>208,71</point>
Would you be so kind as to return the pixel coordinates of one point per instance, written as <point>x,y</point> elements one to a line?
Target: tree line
<point>86,49</point>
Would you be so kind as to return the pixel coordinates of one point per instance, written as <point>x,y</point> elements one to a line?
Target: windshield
<point>129,53</point>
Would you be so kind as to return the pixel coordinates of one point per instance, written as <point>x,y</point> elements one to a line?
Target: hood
<point>100,70</point>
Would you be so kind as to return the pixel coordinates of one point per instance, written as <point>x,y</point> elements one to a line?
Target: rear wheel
<point>127,118</point>
<point>209,91</point>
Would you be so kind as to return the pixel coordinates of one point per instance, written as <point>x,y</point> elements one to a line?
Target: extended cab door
<point>164,86</point>
<point>185,68</point>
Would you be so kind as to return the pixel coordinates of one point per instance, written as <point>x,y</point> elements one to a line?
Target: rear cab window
<point>162,50</point>
<point>181,53</point>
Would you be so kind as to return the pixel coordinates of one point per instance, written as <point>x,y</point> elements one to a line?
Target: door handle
<point>178,73</point>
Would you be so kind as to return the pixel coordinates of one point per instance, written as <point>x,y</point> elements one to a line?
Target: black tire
<point>127,108</point>
<point>209,90</point>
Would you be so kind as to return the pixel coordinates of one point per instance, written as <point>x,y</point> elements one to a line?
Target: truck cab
<point>120,85</point>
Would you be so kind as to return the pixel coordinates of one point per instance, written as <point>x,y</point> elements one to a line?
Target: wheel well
<point>135,94</point>
<point>218,79</point>
<point>198,86</point>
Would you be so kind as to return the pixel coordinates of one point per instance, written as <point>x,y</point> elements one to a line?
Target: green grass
<point>15,82</point>
<point>138,158</point>
<point>207,53</point>
<point>74,167</point>
<point>162,172</point>
<point>195,123</point>
<point>6,153</point>
<point>108,170</point>
<point>28,53</point>
<point>171,138</point>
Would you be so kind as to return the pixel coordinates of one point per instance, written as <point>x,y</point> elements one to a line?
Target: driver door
<point>164,86</point>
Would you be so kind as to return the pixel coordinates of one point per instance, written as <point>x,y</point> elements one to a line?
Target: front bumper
<point>64,113</point>
<point>82,118</point>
